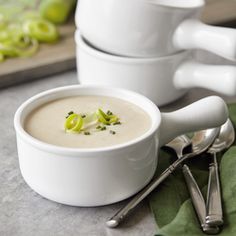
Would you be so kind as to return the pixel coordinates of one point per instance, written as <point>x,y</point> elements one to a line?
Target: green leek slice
<point>92,117</point>
<point>73,123</point>
<point>11,49</point>
<point>32,47</point>
<point>90,120</point>
<point>2,58</point>
<point>40,29</point>
<point>105,118</point>
<point>28,15</point>
<point>4,35</point>
<point>14,42</point>
<point>56,11</point>
<point>113,119</point>
<point>102,116</point>
<point>8,50</point>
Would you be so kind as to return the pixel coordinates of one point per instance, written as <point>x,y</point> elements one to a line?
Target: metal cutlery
<point>201,141</point>
<point>214,204</point>
<point>178,145</point>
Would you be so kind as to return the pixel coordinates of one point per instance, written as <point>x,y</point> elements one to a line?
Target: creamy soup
<point>46,123</point>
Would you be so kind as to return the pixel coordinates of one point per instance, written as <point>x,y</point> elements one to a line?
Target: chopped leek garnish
<point>56,11</point>
<point>113,119</point>
<point>108,118</point>
<point>74,123</point>
<point>84,122</point>
<point>8,51</point>
<point>20,49</point>
<point>4,35</point>
<point>28,15</point>
<point>92,117</point>
<point>3,21</point>
<point>1,57</point>
<point>15,43</point>
<point>24,22</point>
<point>90,120</point>
<point>102,117</point>
<point>40,29</point>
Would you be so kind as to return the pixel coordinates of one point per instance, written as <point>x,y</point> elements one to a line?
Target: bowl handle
<point>206,113</point>
<point>192,34</point>
<point>221,79</point>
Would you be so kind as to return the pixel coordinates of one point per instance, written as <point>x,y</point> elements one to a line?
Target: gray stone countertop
<point>25,213</point>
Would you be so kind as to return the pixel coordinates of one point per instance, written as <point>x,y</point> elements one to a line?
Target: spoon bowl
<point>201,141</point>
<point>225,139</point>
<point>179,144</point>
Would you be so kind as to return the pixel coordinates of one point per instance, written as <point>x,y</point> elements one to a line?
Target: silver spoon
<point>201,140</point>
<point>214,205</point>
<point>178,145</point>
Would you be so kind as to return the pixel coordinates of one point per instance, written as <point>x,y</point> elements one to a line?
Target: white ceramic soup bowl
<point>161,79</point>
<point>151,28</point>
<point>99,176</point>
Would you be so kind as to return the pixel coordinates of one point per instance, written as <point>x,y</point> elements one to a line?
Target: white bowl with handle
<point>100,176</point>
<point>151,28</point>
<point>161,79</point>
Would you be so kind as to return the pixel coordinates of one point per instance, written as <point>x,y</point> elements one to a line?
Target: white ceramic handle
<point>206,113</point>
<point>194,34</point>
<point>221,79</point>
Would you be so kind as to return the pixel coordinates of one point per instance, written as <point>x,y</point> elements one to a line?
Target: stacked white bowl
<point>146,46</point>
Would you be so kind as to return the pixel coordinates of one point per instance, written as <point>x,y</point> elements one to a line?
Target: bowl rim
<point>84,45</point>
<point>18,124</point>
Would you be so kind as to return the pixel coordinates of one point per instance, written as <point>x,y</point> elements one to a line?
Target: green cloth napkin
<point>171,204</point>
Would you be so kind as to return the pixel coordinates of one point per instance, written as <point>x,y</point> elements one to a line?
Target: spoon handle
<point>122,213</point>
<point>214,205</point>
<point>197,200</point>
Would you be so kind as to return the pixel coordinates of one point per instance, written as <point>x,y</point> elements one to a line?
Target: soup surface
<point>46,122</point>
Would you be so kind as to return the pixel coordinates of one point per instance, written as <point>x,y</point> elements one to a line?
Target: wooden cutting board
<point>49,60</point>
<point>60,57</point>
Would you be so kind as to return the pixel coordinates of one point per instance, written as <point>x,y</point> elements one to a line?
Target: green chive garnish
<point>112,132</point>
<point>69,113</point>
<point>99,127</point>
<point>109,113</point>
<point>117,123</point>
<point>104,128</point>
<point>86,133</point>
